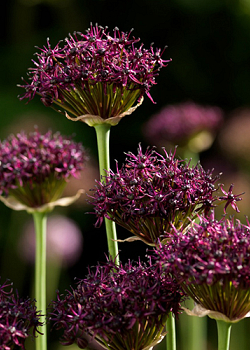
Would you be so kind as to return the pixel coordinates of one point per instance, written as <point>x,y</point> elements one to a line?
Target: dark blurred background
<point>209,42</point>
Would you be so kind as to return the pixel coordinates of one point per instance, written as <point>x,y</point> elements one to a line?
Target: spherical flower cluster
<point>96,73</point>
<point>121,307</point>
<point>211,261</point>
<point>36,167</point>
<point>183,124</point>
<point>152,192</point>
<point>17,319</point>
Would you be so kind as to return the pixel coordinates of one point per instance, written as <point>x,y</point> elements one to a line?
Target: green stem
<point>224,330</point>
<point>40,221</point>
<point>103,135</point>
<point>196,327</point>
<point>171,334</point>
<point>193,330</point>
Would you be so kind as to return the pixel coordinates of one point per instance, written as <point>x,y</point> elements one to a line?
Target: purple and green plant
<point>99,77</point>
<point>35,169</point>
<point>118,306</point>
<point>96,77</point>
<point>211,262</point>
<point>96,73</point>
<point>152,194</point>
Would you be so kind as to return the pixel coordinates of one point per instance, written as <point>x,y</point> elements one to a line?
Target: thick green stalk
<point>103,135</point>
<point>193,330</point>
<point>171,334</point>
<point>40,221</point>
<point>224,330</point>
<point>195,327</point>
<point>198,332</point>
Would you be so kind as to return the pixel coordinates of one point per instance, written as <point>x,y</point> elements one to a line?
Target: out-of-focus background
<point>209,42</point>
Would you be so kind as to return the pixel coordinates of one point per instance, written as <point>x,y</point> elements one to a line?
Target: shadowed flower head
<point>185,124</point>
<point>212,263</point>
<point>98,74</point>
<point>36,167</point>
<point>18,319</point>
<point>122,307</point>
<point>153,192</point>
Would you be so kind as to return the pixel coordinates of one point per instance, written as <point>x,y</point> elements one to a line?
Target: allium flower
<point>211,261</point>
<point>35,168</point>
<point>186,124</point>
<point>151,193</point>
<point>121,307</point>
<point>18,319</point>
<point>95,77</point>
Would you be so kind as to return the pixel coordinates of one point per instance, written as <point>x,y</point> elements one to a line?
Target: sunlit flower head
<point>151,192</point>
<point>211,261</point>
<point>187,124</point>
<point>36,167</point>
<point>19,319</point>
<point>122,307</point>
<point>95,76</point>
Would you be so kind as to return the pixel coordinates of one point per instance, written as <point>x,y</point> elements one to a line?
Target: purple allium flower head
<point>97,73</point>
<point>181,123</point>
<point>122,306</point>
<point>211,261</point>
<point>36,167</point>
<point>19,319</point>
<point>153,192</point>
